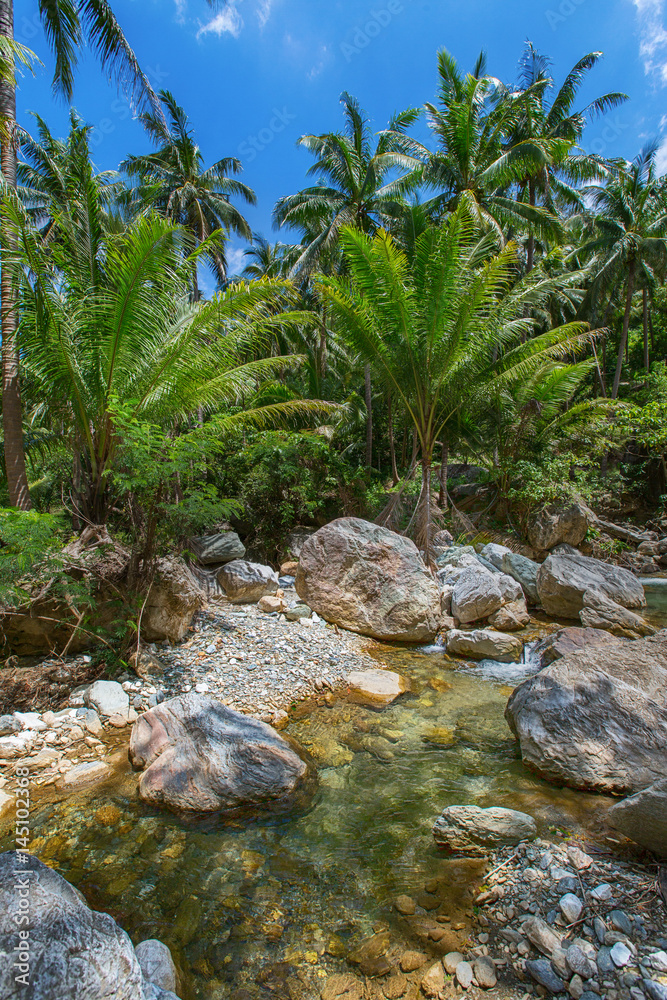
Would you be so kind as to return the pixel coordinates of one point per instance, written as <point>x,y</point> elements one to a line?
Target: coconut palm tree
<point>474,163</point>
<point>553,122</point>
<point>173,181</point>
<point>630,241</point>
<point>68,26</point>
<point>443,331</point>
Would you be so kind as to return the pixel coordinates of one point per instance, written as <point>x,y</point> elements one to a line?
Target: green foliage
<point>558,479</point>
<point>27,540</point>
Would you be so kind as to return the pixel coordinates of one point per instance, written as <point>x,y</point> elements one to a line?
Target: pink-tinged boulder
<point>369,580</point>
<point>198,756</point>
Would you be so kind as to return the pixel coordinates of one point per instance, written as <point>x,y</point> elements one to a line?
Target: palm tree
<point>555,124</point>
<point>172,180</point>
<point>631,236</point>
<point>443,330</point>
<point>68,25</point>
<point>132,335</point>
<point>356,182</point>
<point>475,163</point>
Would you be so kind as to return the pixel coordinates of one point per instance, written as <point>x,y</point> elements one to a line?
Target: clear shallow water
<point>272,907</point>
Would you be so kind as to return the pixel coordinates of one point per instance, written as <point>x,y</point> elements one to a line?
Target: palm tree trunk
<point>392,448</point>
<point>12,410</point>
<point>424,517</point>
<point>645,318</point>
<point>444,464</point>
<point>369,417</point>
<point>626,327</point>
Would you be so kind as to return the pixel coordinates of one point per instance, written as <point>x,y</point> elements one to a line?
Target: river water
<point>270,908</point>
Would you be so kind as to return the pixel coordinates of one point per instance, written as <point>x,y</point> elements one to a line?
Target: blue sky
<point>257,74</point>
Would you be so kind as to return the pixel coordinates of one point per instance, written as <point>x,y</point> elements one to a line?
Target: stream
<point>272,907</point>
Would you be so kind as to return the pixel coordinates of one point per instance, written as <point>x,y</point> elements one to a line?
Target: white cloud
<point>181,6</point>
<point>264,11</point>
<point>652,38</point>
<point>236,261</point>
<point>661,159</point>
<point>228,21</point>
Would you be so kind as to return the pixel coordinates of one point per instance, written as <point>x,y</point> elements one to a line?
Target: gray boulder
<point>198,756</point>
<point>558,523</point>
<point>597,719</point>
<point>475,831</point>
<point>368,579</point>
<point>477,594</point>
<point>571,640</point>
<point>172,602</point>
<point>220,548</point>
<point>495,553</point>
<point>245,582</point>
<point>599,612</point>
<point>512,617</point>
<point>643,817</point>
<point>483,644</point>
<point>563,580</point>
<point>74,953</point>
<point>157,964</point>
<point>524,571</point>
<point>296,540</point>
<point>107,698</point>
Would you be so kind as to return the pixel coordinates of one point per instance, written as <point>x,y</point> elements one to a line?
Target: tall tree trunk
<point>12,410</point>
<point>369,417</point>
<point>530,256</point>
<point>645,319</point>
<point>442,499</point>
<point>626,327</point>
<point>651,331</point>
<point>323,343</point>
<point>424,524</point>
<point>392,448</point>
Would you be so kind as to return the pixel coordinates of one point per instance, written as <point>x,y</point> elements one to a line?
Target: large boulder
<point>64,949</point>
<point>484,644</point>
<point>198,756</point>
<point>599,612</point>
<point>246,582</point>
<point>643,817</point>
<point>222,547</point>
<point>512,617</point>
<point>370,580</point>
<point>476,595</point>
<point>475,831</point>
<point>562,581</point>
<point>557,523</point>
<point>174,598</point>
<point>571,640</point>
<point>597,719</point>
<point>375,688</point>
<point>495,553</point>
<point>524,571</point>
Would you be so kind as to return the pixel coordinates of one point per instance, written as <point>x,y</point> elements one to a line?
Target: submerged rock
<point>597,719</point>
<point>74,953</point>
<point>198,756</point>
<point>376,688</point>
<point>562,581</point>
<point>475,831</point>
<point>483,644</point>
<point>643,817</point>
<point>370,580</point>
<point>157,964</point>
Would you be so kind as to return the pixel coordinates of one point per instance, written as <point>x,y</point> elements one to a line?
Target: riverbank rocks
<point>599,612</point>
<point>375,688</point>
<point>368,579</point>
<point>246,582</point>
<point>107,698</point>
<point>474,831</point>
<point>556,524</point>
<point>198,756</point>
<point>171,603</point>
<point>524,571</point>
<point>75,953</point>
<point>597,719</point>
<point>511,617</point>
<point>643,818</point>
<point>563,580</point>
<point>483,644</point>
<point>222,547</point>
<point>571,640</point>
